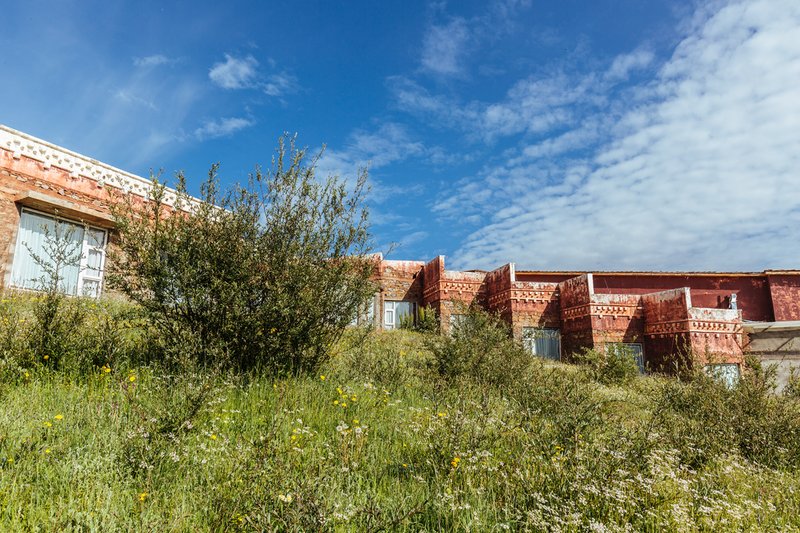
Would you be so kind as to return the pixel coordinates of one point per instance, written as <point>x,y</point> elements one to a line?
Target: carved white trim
<point>21,144</point>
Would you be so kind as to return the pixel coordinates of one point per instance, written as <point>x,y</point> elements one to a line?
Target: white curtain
<point>37,235</point>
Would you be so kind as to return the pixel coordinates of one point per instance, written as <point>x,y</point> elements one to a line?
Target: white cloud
<point>443,47</point>
<point>242,73</point>
<point>223,127</point>
<point>280,84</point>
<point>234,73</point>
<point>387,144</point>
<point>446,46</point>
<point>152,61</point>
<point>698,171</point>
<point>131,98</point>
<point>624,64</point>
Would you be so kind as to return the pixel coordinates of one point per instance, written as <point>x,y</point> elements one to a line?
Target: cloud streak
<point>695,169</point>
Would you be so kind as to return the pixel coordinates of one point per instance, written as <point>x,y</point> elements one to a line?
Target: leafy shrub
<point>426,321</point>
<point>391,359</point>
<point>704,420</point>
<point>792,388</point>
<point>480,347</point>
<point>263,275</point>
<point>612,367</point>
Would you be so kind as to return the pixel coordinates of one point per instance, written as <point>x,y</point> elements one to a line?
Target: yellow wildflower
<point>46,357</point>
<point>441,414</point>
<point>322,378</point>
<point>59,417</point>
<point>10,459</point>
<point>355,421</point>
<point>287,498</point>
<point>47,450</point>
<point>455,462</point>
<point>142,496</point>
<point>48,425</point>
<point>335,402</point>
<point>213,437</point>
<point>344,404</point>
<point>132,378</point>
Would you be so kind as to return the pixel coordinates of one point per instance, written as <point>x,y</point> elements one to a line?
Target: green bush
<point>426,321</point>
<point>266,275</point>
<point>480,347</point>
<point>612,367</point>
<point>705,420</point>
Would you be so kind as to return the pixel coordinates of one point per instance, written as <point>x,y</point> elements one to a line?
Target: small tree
<point>267,274</point>
<point>56,323</point>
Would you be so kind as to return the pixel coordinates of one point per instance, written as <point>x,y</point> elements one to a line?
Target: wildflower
<point>46,357</point>
<point>340,391</point>
<point>455,461</point>
<point>355,421</point>
<point>59,417</point>
<point>48,424</point>
<point>106,369</point>
<point>213,437</point>
<point>441,414</point>
<point>286,498</point>
<point>10,459</point>
<point>132,378</point>
<point>335,402</point>
<point>142,496</point>
<point>27,375</point>
<point>47,450</point>
<point>322,378</point>
<point>405,465</point>
<point>344,405</point>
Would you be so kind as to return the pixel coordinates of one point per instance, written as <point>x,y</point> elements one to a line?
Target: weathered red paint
<point>784,288</point>
<point>668,312</point>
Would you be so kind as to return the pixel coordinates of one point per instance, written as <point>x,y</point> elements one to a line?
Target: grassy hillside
<point>380,440</point>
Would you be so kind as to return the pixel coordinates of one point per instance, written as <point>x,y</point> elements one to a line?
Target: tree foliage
<point>266,274</point>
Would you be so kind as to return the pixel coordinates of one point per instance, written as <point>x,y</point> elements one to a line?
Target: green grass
<point>381,443</point>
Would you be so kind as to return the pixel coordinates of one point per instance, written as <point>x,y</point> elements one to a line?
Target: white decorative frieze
<point>77,165</point>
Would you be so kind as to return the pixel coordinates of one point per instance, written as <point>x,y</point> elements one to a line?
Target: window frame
<point>86,249</point>
<point>529,336</point>
<point>713,370</point>
<point>387,309</point>
<point>638,357</point>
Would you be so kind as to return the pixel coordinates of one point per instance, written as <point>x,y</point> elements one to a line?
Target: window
<point>367,314</point>
<point>634,349</point>
<point>457,319</point>
<point>394,311</point>
<point>544,342</point>
<point>726,373</point>
<point>35,229</point>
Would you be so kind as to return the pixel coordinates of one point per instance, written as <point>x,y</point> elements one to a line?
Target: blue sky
<point>613,134</point>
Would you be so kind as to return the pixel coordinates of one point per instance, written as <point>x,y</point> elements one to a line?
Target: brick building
<point>712,316</point>
<point>41,183</point>
<point>715,316</point>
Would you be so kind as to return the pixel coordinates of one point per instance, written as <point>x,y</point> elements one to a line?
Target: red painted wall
<point>752,291</point>
<point>785,292</point>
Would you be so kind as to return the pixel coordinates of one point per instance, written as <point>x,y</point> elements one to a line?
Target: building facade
<point>662,318</point>
<point>716,317</point>
<point>46,190</point>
